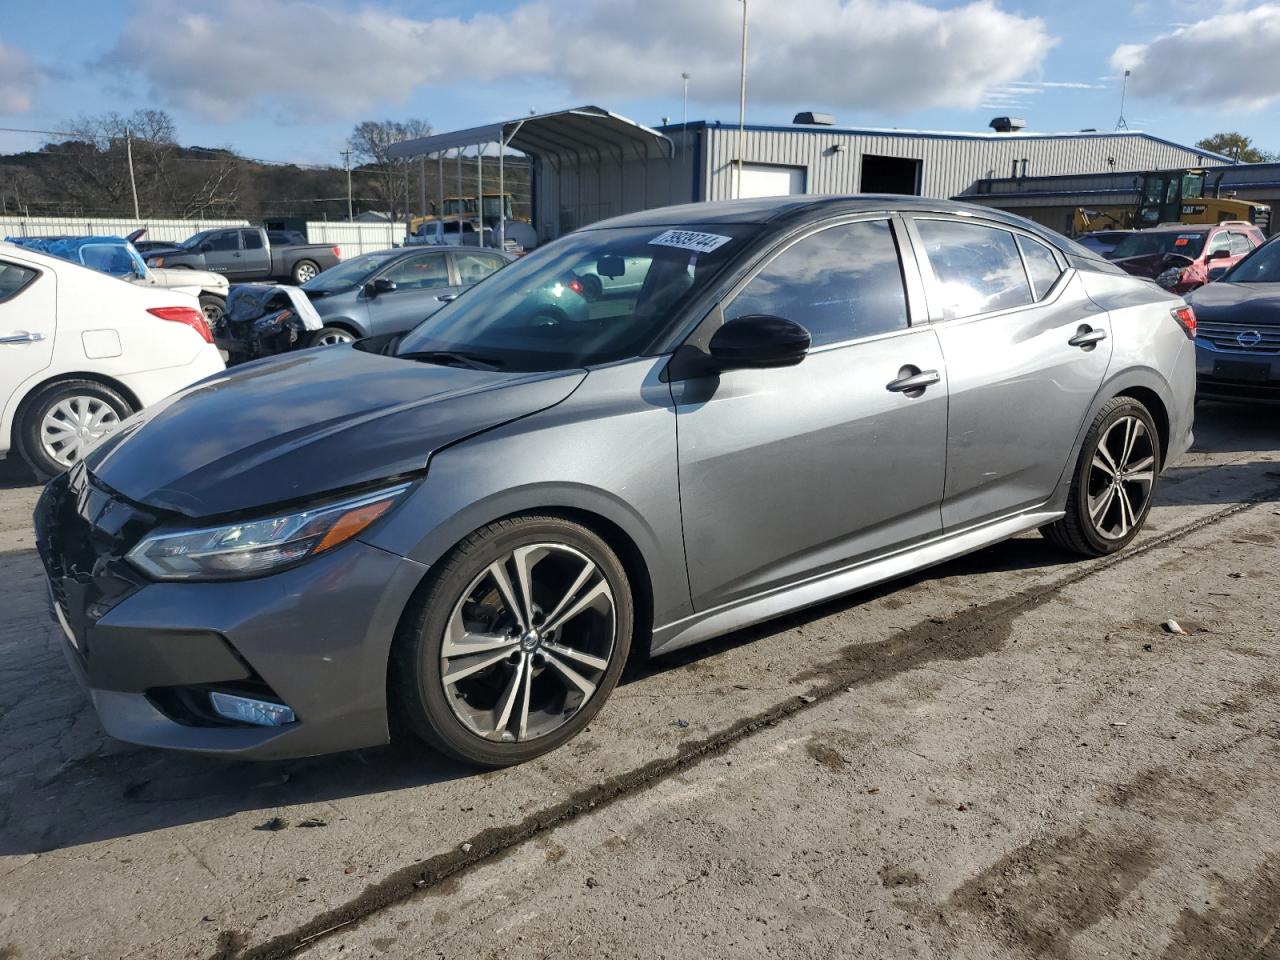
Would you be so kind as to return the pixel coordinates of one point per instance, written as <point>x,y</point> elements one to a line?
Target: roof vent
<point>1007,124</point>
<point>818,119</point>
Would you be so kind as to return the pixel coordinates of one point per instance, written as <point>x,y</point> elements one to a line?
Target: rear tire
<point>1114,482</point>
<point>59,423</point>
<point>538,676</point>
<point>214,309</point>
<point>305,270</point>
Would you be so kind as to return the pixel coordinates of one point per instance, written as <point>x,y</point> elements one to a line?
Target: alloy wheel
<point>334,337</point>
<point>528,643</point>
<point>1121,477</point>
<point>213,314</point>
<point>73,424</point>
<point>304,272</point>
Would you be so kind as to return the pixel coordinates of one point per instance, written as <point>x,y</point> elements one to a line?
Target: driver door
<point>792,472</point>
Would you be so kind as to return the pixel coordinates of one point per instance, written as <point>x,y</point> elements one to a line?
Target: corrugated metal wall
<point>569,194</point>
<point>950,164</point>
<point>357,238</point>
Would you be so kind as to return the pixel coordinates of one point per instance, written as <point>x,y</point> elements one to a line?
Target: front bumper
<point>1244,374</point>
<point>316,637</point>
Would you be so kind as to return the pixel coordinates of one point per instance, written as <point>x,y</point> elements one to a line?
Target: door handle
<point>915,382</point>
<point>1087,337</point>
<point>22,338</point>
<point>446,297</point>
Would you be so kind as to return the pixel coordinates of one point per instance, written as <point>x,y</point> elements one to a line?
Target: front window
<point>540,313</point>
<point>421,272</point>
<point>345,275</point>
<point>1182,244</point>
<point>1261,266</point>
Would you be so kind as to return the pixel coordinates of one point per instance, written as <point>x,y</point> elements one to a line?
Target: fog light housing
<point>261,713</point>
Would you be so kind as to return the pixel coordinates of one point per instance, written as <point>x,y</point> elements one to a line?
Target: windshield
<point>193,242</point>
<point>594,296</point>
<point>1166,241</point>
<point>1261,266</point>
<point>346,274</point>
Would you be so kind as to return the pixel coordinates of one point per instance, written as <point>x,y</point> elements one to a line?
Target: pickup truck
<point>246,253</point>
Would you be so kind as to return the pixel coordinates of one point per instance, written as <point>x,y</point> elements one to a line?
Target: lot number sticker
<point>690,240</point>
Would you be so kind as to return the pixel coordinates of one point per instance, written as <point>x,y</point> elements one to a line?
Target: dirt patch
<point>826,755</point>
<point>892,876</point>
<point>1041,895</point>
<point>1242,922</point>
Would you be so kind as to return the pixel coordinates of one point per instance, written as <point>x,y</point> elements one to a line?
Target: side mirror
<point>1216,273</point>
<point>381,285</point>
<point>611,267</point>
<point>758,341</point>
<point>1219,255</point>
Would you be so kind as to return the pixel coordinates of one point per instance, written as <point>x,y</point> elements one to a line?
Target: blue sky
<point>286,79</point>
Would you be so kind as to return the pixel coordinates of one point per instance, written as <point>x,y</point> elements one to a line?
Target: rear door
<point>421,280</point>
<point>1026,351</point>
<point>255,258</point>
<point>28,316</point>
<point>796,471</point>
<point>471,268</point>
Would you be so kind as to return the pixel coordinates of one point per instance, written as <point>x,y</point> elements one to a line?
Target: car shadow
<point>14,473</point>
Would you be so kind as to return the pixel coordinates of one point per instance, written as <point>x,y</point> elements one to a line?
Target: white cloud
<point>1226,61</point>
<point>19,78</point>
<point>320,62</point>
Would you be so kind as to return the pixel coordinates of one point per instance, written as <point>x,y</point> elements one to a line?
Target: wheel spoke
<point>499,574</point>
<point>1126,510</point>
<point>523,731</point>
<point>573,676</point>
<point>1098,508</point>
<point>1107,464</point>
<point>586,659</point>
<point>1132,432</point>
<point>588,569</point>
<point>1142,476</point>
<point>463,667</point>
<point>55,430</point>
<point>509,697</point>
<point>460,642</point>
<point>588,599</point>
<point>525,559</point>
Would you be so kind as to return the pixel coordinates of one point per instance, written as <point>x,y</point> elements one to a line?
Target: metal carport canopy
<point>581,134</point>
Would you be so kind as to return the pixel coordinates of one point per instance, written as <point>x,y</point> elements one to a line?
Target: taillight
<point>1186,318</point>
<point>337,252</point>
<point>576,286</point>
<point>192,318</point>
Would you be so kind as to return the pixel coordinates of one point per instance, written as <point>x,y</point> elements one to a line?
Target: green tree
<point>1237,146</point>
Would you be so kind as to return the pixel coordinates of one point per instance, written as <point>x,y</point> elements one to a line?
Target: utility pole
<point>133,183</point>
<point>684,122</point>
<point>422,184</point>
<point>742,100</point>
<point>346,160</point>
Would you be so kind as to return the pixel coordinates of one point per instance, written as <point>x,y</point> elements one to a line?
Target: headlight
<point>155,262</point>
<point>251,548</point>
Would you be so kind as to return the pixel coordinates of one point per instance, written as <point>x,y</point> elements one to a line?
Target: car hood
<point>307,423</point>
<point>1151,265</point>
<point>1252,303</point>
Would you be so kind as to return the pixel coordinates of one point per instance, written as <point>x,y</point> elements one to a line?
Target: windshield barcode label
<point>690,240</point>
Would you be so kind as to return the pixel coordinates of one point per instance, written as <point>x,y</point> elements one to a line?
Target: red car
<point>1179,256</point>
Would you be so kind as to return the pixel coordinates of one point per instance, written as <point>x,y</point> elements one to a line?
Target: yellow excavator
<point>1172,196</point>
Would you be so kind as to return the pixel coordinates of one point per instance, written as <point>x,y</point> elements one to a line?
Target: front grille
<point>1240,337</point>
<point>83,531</point>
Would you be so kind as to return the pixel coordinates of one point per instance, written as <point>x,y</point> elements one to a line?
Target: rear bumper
<point>317,638</point>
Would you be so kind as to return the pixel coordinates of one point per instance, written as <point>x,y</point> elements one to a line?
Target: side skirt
<point>743,613</point>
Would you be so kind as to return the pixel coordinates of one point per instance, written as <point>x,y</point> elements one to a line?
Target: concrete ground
<point>1003,757</point>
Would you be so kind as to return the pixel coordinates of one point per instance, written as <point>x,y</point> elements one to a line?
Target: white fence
<point>356,238</point>
<point>353,238</point>
<point>95,227</point>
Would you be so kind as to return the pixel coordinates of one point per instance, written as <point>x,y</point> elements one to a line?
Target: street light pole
<point>133,183</point>
<point>684,123</point>
<point>742,99</point>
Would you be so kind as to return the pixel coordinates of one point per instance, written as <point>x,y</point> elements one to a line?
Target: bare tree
<point>370,142</point>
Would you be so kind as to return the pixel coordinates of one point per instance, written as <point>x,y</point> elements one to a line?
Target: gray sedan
<point>394,290</point>
<point>473,529</point>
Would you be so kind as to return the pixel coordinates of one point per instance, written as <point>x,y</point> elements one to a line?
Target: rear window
<point>13,277</point>
<point>978,268</point>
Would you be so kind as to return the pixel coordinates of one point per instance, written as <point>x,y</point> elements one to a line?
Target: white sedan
<point>80,351</point>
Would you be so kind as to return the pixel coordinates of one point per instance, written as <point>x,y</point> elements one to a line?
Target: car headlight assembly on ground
<point>251,548</point>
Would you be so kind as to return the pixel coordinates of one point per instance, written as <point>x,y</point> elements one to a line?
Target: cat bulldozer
<point>1173,196</point>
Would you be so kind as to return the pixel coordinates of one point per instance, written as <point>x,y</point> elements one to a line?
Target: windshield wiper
<point>454,358</point>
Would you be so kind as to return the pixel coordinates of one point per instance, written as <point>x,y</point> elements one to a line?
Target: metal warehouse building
<point>589,164</point>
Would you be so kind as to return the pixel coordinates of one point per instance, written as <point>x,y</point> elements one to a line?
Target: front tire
<point>305,270</point>
<point>516,642</point>
<point>1114,482</point>
<point>331,337</point>
<point>61,422</point>
<point>214,309</point>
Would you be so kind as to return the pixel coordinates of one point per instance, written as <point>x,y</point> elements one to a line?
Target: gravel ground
<point>1003,757</point>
